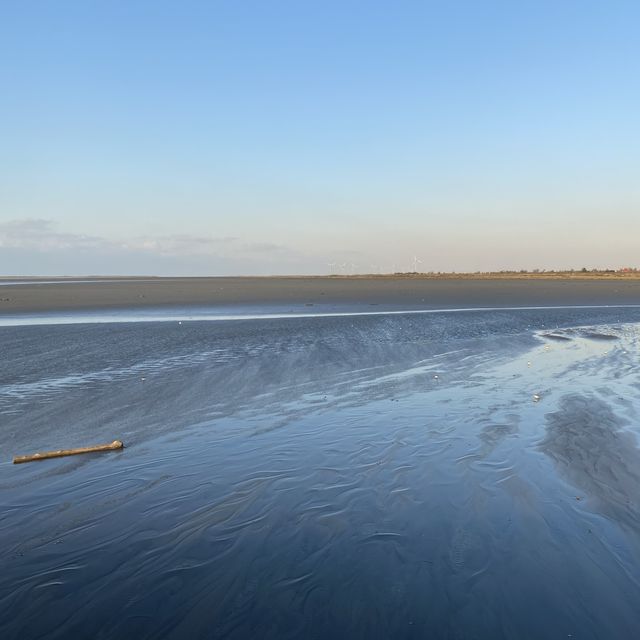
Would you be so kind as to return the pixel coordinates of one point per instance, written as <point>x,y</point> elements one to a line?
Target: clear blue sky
<point>278,137</point>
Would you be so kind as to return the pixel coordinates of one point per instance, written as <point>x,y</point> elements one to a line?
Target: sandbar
<point>67,295</point>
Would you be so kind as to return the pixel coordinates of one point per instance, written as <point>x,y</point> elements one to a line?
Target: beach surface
<point>63,295</point>
<point>312,475</point>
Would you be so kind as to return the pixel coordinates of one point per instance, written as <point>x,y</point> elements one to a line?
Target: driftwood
<point>112,446</point>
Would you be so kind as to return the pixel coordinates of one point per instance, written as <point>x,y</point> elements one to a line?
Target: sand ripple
<point>378,478</point>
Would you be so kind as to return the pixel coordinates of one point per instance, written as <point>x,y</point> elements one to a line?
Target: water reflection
<point>317,480</point>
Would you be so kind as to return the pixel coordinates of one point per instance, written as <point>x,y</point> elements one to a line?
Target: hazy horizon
<point>284,138</point>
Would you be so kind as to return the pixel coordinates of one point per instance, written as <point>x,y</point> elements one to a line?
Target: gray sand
<point>588,443</point>
<point>304,291</point>
<point>309,469</point>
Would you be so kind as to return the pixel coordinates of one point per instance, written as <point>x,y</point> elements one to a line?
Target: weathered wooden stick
<point>112,446</point>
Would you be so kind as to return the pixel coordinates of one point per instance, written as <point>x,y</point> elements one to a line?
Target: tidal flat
<point>460,474</point>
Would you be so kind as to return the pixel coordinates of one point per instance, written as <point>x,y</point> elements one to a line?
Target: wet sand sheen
<point>345,477</point>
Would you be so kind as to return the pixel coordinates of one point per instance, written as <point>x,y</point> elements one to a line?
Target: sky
<point>300,137</point>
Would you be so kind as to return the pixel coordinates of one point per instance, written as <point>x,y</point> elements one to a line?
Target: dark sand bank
<point>113,293</point>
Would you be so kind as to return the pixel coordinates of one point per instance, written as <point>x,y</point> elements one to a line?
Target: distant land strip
<point>325,293</point>
<point>629,273</point>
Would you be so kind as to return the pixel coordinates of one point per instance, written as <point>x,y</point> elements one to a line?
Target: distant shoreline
<point>295,293</point>
<point>606,274</point>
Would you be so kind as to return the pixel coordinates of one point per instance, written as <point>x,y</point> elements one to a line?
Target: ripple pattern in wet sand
<point>367,478</point>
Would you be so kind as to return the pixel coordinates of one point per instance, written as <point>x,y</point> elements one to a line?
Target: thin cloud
<point>181,244</point>
<point>37,245</point>
<point>42,235</point>
<point>265,247</point>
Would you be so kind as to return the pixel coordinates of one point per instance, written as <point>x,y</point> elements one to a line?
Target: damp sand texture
<point>345,477</point>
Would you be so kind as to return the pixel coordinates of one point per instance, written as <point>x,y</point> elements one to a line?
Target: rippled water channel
<point>455,475</point>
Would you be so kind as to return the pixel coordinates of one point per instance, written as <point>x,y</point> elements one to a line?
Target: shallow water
<point>454,475</point>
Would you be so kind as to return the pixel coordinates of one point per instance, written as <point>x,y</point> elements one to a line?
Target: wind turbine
<point>331,266</point>
<point>416,262</point>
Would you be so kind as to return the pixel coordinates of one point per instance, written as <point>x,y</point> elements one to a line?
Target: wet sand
<point>324,477</point>
<point>408,292</point>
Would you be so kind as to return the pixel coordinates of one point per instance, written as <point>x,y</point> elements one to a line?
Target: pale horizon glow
<point>226,138</point>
